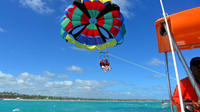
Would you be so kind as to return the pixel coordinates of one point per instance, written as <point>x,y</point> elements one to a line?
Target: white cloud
<point>27,83</point>
<point>28,77</point>
<point>58,83</point>
<point>5,76</point>
<point>49,74</point>
<point>131,94</point>
<point>62,76</point>
<point>20,81</point>
<point>7,80</point>
<point>158,88</point>
<point>156,76</point>
<point>36,5</point>
<point>125,6</point>
<point>66,1</point>
<point>155,88</point>
<point>2,30</point>
<point>93,83</point>
<point>156,62</point>
<point>91,88</point>
<point>74,68</point>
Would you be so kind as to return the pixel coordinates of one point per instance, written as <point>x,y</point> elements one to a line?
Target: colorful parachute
<point>93,24</point>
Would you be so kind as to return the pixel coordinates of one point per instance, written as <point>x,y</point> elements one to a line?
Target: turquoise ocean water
<point>80,106</point>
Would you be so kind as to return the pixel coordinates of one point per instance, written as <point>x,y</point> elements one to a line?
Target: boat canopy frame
<point>174,47</point>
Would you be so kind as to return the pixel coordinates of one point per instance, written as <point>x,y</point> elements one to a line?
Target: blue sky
<point>36,60</point>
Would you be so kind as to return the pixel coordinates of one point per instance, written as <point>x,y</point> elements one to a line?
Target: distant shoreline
<point>111,100</point>
<point>8,96</point>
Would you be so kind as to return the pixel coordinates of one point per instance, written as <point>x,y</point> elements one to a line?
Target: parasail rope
<point>141,66</point>
<point>173,55</point>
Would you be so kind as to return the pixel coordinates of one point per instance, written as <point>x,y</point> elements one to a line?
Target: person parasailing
<point>104,63</point>
<point>93,31</point>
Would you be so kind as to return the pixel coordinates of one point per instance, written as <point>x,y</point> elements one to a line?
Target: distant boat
<point>16,110</point>
<point>18,98</point>
<point>165,104</point>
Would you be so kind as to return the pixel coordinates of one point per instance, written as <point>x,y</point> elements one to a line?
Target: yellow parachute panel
<point>91,47</point>
<point>103,1</point>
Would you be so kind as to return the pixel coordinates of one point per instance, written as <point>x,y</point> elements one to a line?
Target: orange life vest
<point>187,91</point>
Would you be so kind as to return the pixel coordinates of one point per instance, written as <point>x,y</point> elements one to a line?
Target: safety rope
<point>138,65</point>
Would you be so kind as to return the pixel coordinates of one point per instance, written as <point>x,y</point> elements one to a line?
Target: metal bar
<point>168,80</point>
<point>173,56</point>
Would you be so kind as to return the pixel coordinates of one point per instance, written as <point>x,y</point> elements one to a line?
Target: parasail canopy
<point>184,27</point>
<point>93,24</point>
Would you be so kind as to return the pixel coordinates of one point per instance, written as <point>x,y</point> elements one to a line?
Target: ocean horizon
<point>80,106</point>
